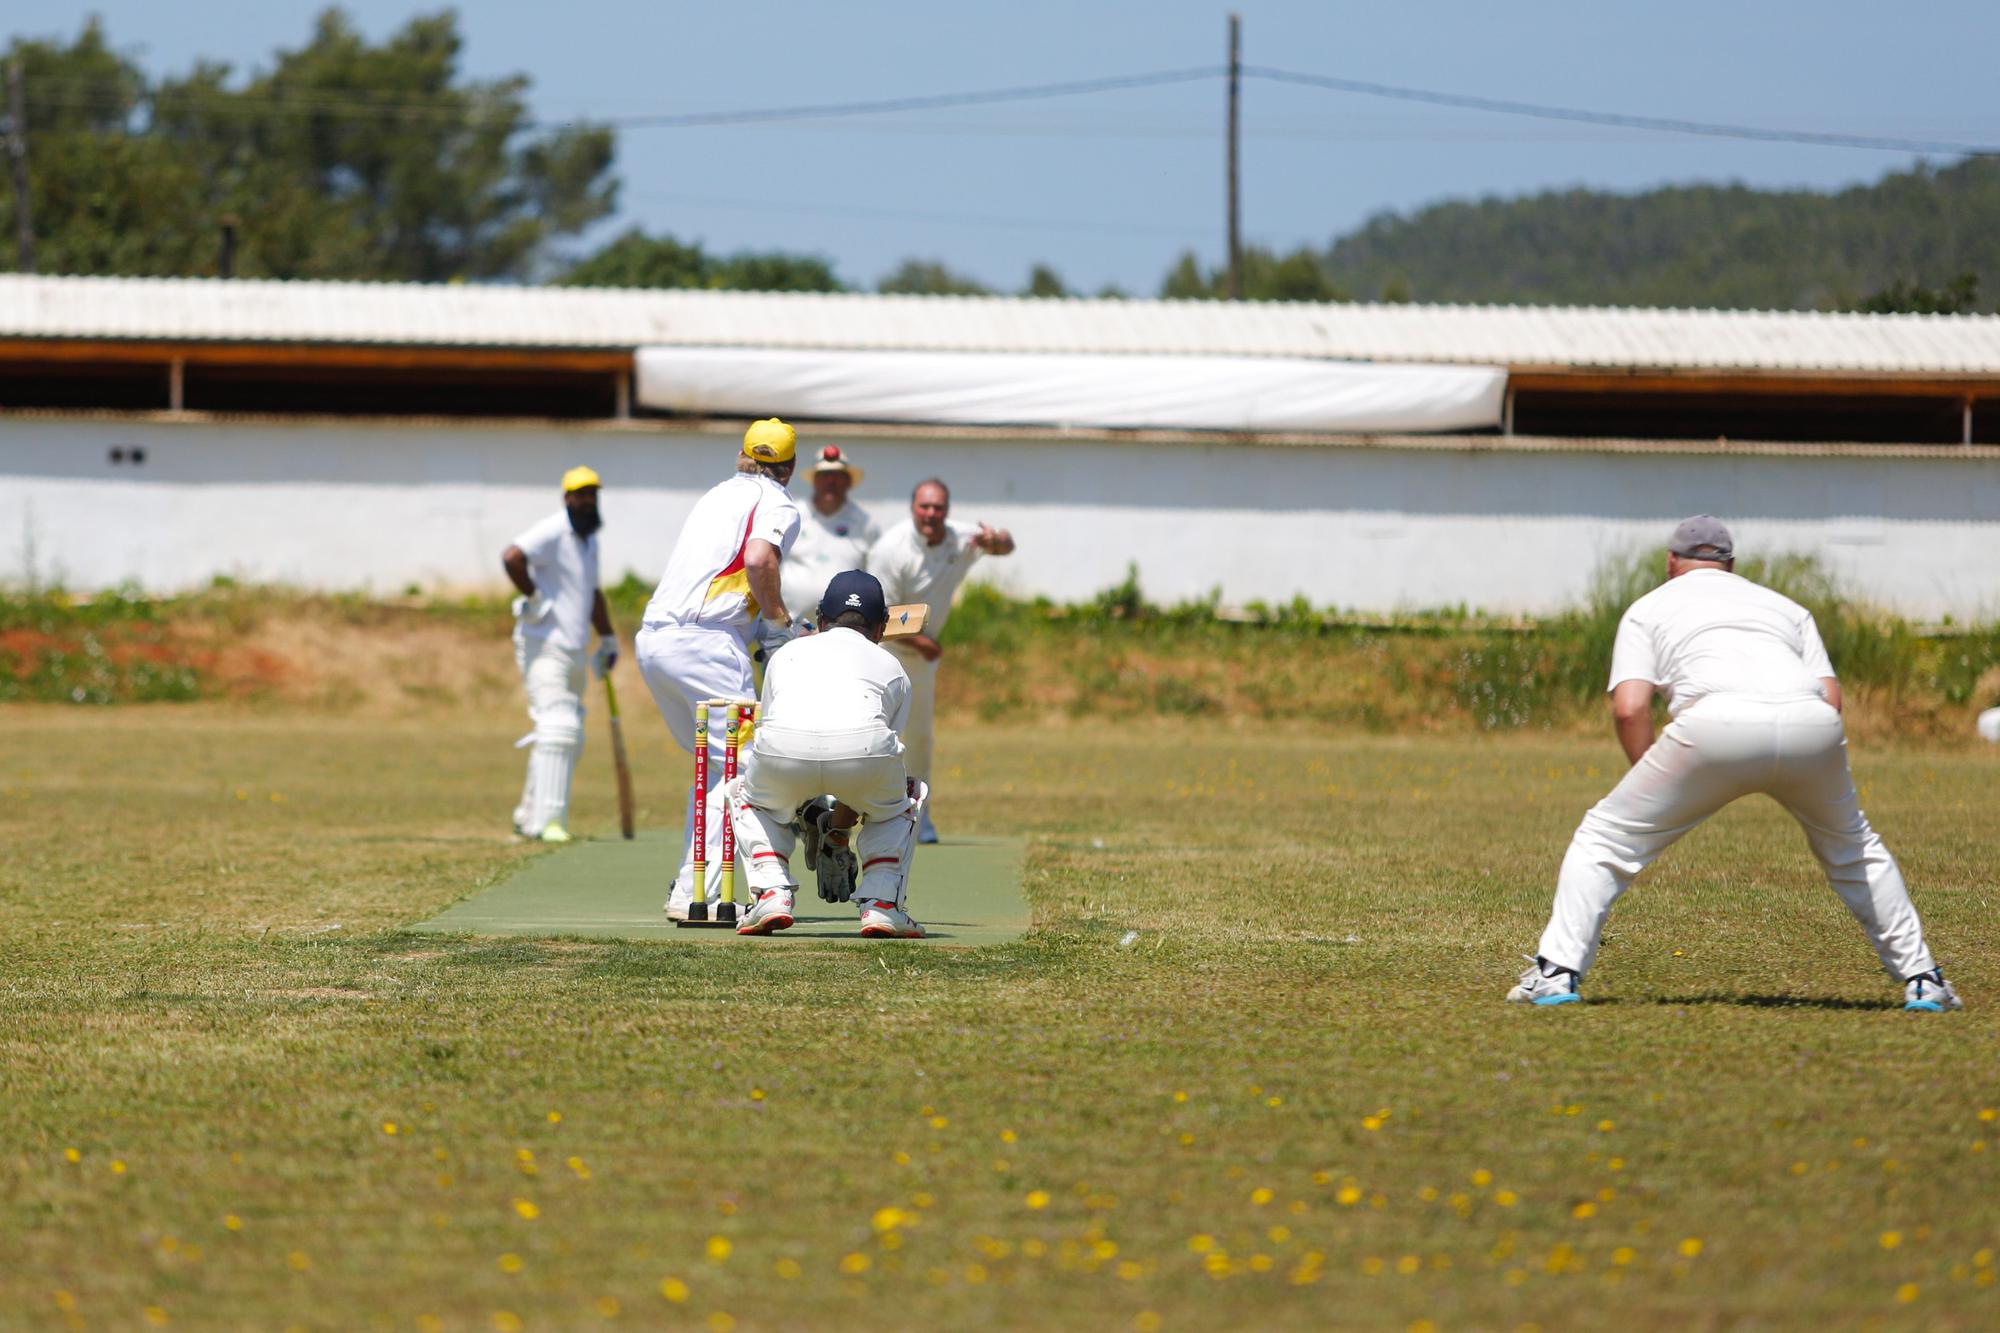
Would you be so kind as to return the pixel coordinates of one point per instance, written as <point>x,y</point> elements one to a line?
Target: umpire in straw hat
<point>721,581</point>
<point>834,533</point>
<point>554,565</point>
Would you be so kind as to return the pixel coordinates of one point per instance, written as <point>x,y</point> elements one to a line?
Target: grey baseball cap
<point>1702,537</point>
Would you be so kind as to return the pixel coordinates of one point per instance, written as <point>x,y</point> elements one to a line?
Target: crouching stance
<point>1755,708</point>
<point>827,724</point>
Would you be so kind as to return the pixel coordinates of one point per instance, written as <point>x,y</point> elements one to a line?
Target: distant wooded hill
<point>1908,241</point>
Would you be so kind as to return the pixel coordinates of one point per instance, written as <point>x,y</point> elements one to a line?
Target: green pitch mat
<point>966,892</point>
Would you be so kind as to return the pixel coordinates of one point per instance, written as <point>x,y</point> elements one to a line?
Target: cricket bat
<point>625,818</point>
<point>906,620</point>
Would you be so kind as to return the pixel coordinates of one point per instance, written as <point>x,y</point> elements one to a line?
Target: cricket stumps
<point>736,713</point>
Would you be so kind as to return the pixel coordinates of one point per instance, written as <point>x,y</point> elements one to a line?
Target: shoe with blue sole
<point>1929,993</point>
<point>1545,984</point>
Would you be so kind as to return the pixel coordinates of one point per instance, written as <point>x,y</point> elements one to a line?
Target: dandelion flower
<point>673,1289</point>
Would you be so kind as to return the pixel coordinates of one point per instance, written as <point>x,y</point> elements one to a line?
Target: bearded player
<point>1756,708</point>
<point>554,565</point>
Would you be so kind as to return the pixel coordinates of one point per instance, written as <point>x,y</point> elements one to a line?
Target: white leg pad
<point>886,847</point>
<point>550,768</point>
<point>764,841</point>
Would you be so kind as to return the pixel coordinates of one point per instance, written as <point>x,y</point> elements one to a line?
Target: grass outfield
<point>233,1092</point>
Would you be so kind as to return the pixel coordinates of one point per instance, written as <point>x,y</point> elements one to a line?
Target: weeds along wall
<point>164,505</point>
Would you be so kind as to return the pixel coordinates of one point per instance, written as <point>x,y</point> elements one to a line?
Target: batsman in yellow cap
<point>721,581</point>
<point>554,565</point>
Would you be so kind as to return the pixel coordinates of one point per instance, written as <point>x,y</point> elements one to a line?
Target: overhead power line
<point>931,102</point>
<point>1665,124</point>
<point>474,104</point>
<point>361,106</point>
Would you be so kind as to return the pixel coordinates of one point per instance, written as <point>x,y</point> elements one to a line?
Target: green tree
<point>1267,276</point>
<point>1724,246</point>
<point>343,160</point>
<point>929,277</point>
<point>1045,281</point>
<point>638,260</point>
<point>1960,296</point>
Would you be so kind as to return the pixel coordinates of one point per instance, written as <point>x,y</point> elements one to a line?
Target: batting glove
<point>606,655</point>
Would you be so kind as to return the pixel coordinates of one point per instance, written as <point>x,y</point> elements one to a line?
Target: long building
<point>1374,457</point>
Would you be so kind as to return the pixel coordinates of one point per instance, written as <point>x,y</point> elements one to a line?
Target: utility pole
<point>1235,138</point>
<point>17,150</point>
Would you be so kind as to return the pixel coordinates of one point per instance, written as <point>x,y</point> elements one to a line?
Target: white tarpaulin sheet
<point>1233,393</point>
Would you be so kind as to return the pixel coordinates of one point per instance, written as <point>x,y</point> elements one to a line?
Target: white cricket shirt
<point>1712,632</point>
<point>828,544</point>
<point>706,583</point>
<point>911,570</point>
<point>564,569</point>
<point>832,695</point>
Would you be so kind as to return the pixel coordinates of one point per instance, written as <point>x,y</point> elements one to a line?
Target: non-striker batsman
<point>554,565</point>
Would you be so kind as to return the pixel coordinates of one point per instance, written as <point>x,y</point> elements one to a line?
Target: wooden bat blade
<point>626,823</point>
<point>625,813</point>
<point>906,620</point>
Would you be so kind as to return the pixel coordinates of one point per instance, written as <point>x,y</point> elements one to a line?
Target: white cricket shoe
<point>885,921</point>
<point>1929,993</point>
<point>771,912</point>
<point>1544,983</point>
<point>554,833</point>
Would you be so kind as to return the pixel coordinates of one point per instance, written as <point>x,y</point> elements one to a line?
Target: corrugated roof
<point>210,310</point>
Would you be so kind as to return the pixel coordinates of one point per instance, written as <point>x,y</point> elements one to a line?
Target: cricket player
<point>834,534</point>
<point>554,565</point>
<point>720,580</point>
<point>924,560</point>
<point>828,720</point>
<point>1755,708</point>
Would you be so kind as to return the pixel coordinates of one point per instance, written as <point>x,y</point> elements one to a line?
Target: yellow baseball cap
<point>579,477</point>
<point>770,441</point>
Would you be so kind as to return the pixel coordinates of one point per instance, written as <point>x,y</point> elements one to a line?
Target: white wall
<point>381,507</point>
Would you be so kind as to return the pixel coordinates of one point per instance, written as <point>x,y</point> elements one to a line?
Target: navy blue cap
<point>854,590</point>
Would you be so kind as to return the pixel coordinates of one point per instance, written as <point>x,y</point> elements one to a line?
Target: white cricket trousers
<point>918,731</point>
<point>681,665</point>
<point>854,771</point>
<point>1725,746</point>
<point>553,678</point>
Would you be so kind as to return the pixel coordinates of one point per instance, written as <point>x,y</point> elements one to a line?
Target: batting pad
<point>966,892</point>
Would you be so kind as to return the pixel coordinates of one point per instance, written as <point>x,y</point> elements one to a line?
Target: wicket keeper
<point>832,706</point>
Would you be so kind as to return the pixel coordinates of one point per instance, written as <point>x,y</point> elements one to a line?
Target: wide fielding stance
<point>1755,708</point>
<point>827,723</point>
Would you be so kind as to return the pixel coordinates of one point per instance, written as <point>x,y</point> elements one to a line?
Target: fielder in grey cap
<point>1755,708</point>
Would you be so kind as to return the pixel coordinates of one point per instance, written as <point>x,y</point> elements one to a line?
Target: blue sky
<point>1111,188</point>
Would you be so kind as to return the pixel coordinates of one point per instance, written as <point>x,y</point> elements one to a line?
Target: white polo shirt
<point>832,694</point>
<point>706,583</point>
<point>912,570</point>
<point>564,569</point>
<point>1712,632</point>
<point>828,544</point>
